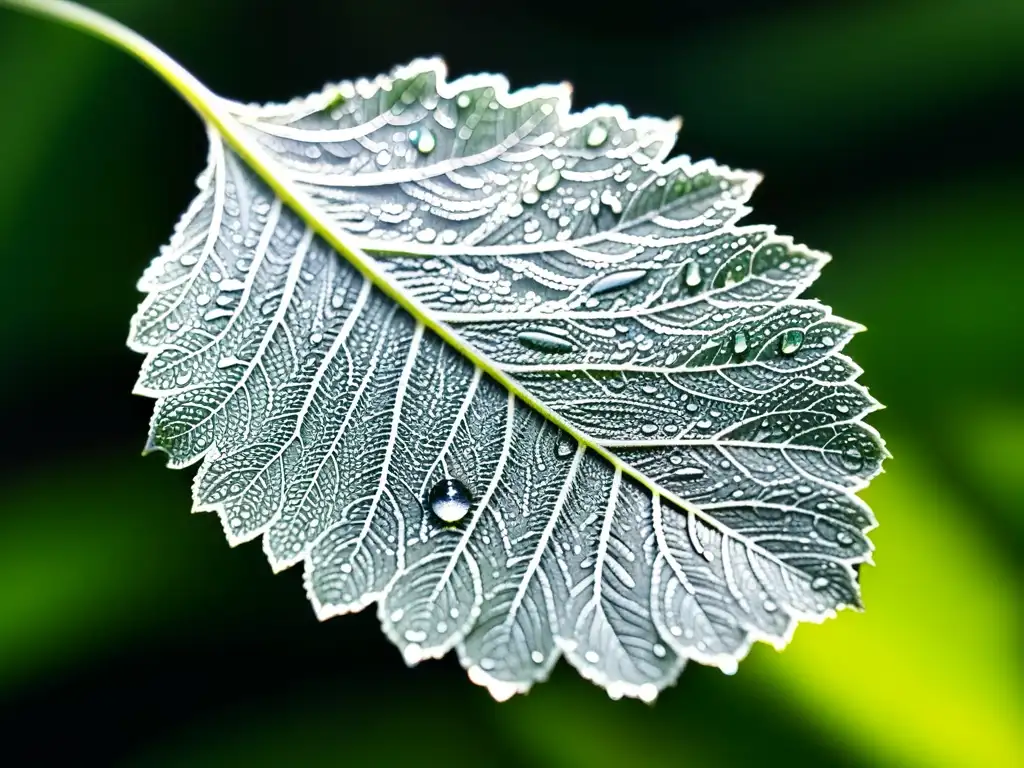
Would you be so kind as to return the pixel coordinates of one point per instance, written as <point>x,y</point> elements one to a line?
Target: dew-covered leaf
<point>570,407</point>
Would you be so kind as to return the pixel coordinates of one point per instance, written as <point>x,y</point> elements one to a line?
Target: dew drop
<point>691,275</point>
<point>545,341</point>
<point>538,657</point>
<point>617,280</point>
<point>844,538</point>
<point>791,342</point>
<point>423,140</point>
<point>549,182</point>
<point>592,657</point>
<point>597,135</point>
<point>463,100</point>
<point>449,500</point>
<point>739,343</point>
<point>659,650</point>
<point>770,607</point>
<point>819,584</point>
<point>607,198</point>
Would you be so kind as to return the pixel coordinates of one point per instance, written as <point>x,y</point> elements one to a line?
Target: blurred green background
<point>130,634</point>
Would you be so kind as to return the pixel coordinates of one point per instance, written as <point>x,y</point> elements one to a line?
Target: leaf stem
<point>214,110</point>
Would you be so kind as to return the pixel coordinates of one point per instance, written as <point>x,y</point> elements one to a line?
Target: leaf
<point>509,373</point>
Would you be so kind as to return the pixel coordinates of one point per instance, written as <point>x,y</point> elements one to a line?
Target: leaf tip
<point>500,690</point>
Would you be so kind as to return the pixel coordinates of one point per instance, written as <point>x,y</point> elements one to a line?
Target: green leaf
<point>509,373</point>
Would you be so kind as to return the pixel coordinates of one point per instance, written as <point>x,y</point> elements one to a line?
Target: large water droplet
<point>691,275</point>
<point>791,342</point>
<point>617,280</point>
<point>819,584</point>
<point>543,340</point>
<point>449,500</point>
<point>423,140</point>
<point>597,135</point>
<point>739,343</point>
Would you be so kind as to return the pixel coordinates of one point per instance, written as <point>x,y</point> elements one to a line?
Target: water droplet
<point>607,198</point>
<point>770,607</point>
<point>423,140</point>
<point>449,500</point>
<point>739,343</point>
<point>543,340</point>
<point>819,584</point>
<point>538,657</point>
<point>548,182</point>
<point>592,656</point>
<point>597,135</point>
<point>791,341</point>
<point>844,538</point>
<point>463,100</point>
<point>617,280</point>
<point>659,650</point>
<point>565,448</point>
<point>616,384</point>
<point>691,275</point>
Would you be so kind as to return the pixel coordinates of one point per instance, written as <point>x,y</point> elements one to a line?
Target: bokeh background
<point>130,634</point>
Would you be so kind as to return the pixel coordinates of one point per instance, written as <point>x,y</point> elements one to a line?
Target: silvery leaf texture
<point>572,408</point>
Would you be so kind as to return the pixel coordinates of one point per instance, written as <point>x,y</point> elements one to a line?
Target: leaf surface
<point>658,439</point>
